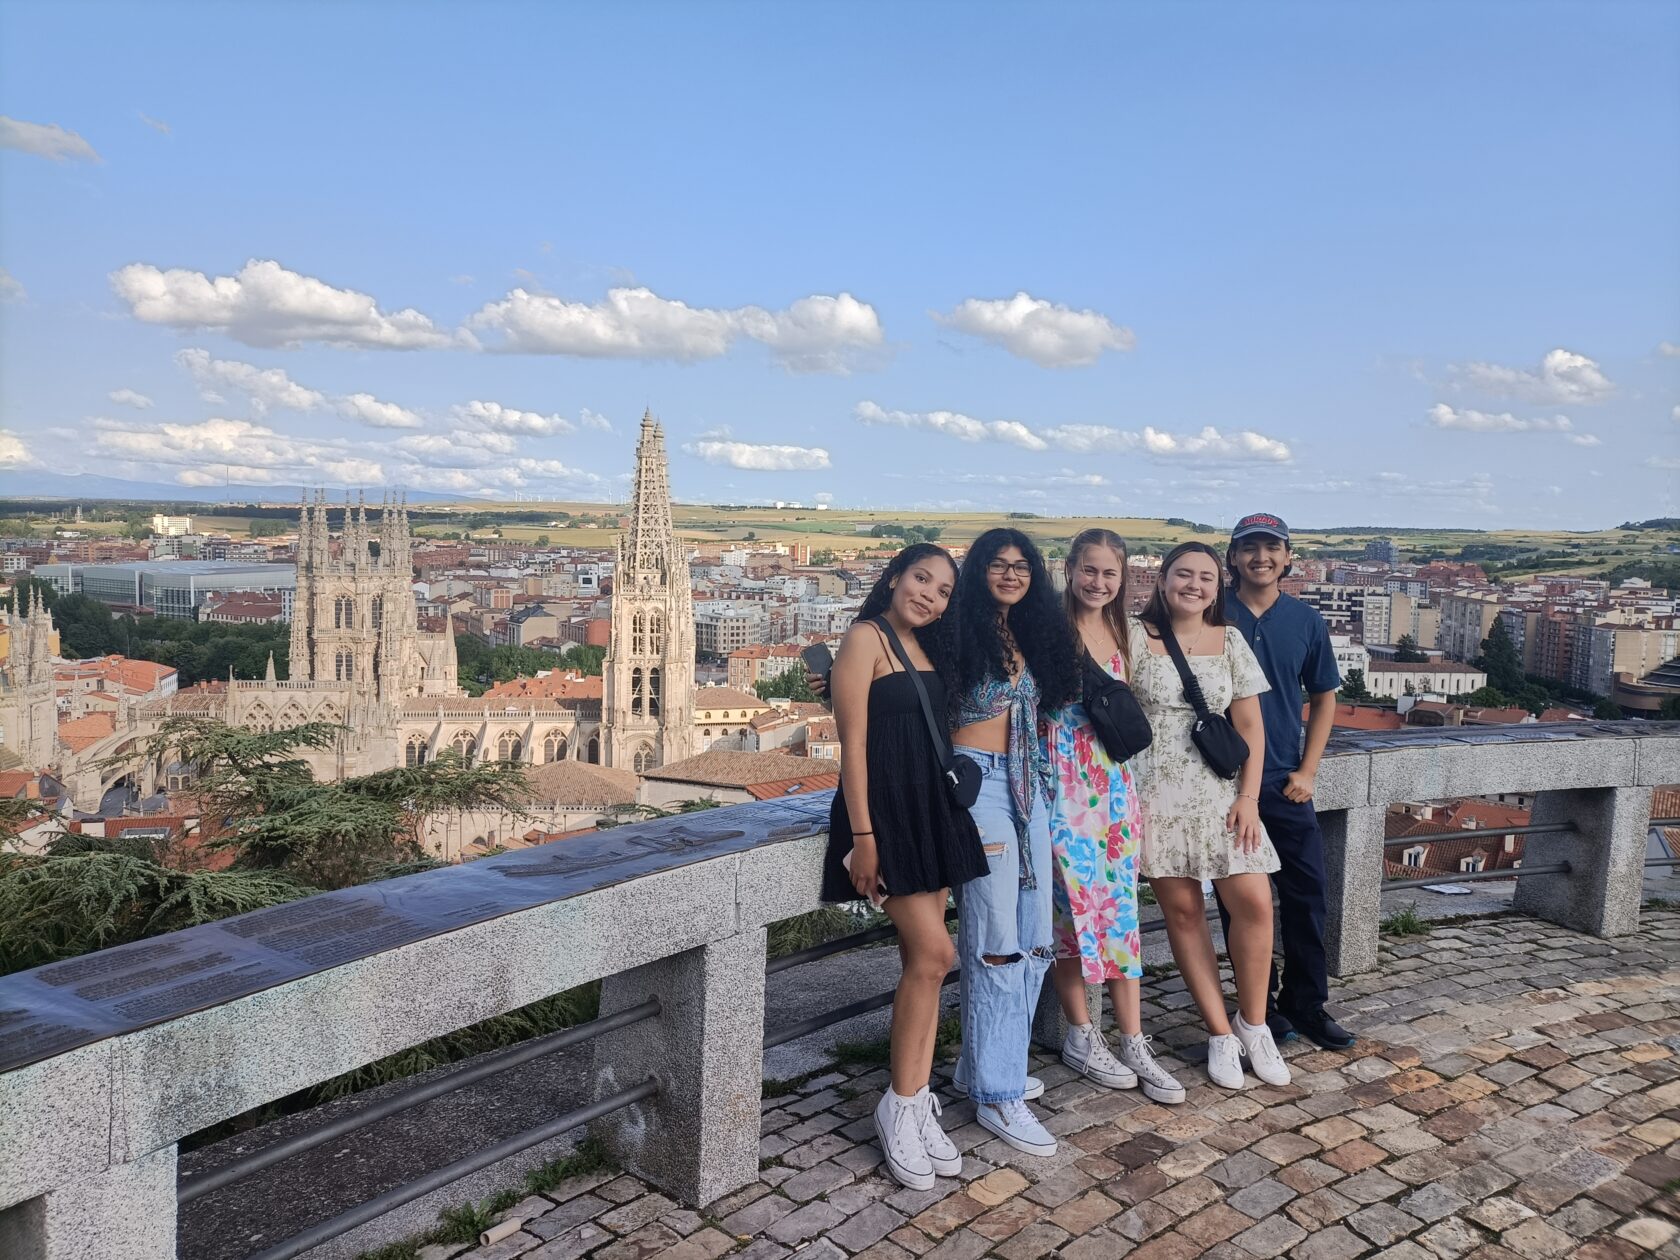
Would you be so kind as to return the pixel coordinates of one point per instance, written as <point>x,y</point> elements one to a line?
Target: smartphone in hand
<point>818,659</point>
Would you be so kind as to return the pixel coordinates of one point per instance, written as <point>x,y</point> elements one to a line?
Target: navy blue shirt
<point>1292,644</point>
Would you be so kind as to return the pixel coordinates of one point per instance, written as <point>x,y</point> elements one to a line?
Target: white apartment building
<point>724,626</point>
<point>1393,679</point>
<point>1349,655</point>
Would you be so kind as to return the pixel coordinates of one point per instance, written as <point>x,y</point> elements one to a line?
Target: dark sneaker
<point>1282,1030</point>
<point>1318,1027</point>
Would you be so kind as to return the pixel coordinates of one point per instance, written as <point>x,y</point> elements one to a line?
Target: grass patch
<point>1406,922</point>
<point>1661,903</point>
<point>1159,971</point>
<point>1146,894</point>
<point>464,1223</point>
<point>878,1053</point>
<point>816,928</point>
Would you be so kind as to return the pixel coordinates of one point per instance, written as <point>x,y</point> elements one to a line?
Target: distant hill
<point>29,484</point>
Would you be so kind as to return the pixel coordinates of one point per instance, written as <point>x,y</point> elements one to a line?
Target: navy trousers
<point>1299,882</point>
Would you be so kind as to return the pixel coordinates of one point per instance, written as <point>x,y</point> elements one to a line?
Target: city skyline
<point>1409,266</point>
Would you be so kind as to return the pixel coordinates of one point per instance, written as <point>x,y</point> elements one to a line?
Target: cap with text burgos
<point>1257,523</point>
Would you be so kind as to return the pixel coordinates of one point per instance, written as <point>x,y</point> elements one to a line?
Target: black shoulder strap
<point>1192,688</point>
<point>941,745</point>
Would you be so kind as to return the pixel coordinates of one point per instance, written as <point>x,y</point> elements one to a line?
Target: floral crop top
<point>1028,767</point>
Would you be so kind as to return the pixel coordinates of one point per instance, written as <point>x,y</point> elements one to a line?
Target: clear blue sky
<point>1392,264</point>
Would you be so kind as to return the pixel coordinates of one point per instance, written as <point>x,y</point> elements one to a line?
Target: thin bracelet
<point>1241,796</point>
<point>863,833</point>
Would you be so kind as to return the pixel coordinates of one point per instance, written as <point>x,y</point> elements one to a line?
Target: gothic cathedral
<point>648,710</point>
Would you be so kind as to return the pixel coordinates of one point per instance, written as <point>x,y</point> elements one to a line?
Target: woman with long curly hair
<point>1016,658</point>
<point>895,836</point>
<point>1096,828</point>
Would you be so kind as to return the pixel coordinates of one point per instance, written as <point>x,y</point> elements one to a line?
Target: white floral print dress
<point>1185,803</point>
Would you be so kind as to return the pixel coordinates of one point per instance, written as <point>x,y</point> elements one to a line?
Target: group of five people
<point>1044,833</point>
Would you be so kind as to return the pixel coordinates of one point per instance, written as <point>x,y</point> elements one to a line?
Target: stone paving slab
<point>1515,1094</point>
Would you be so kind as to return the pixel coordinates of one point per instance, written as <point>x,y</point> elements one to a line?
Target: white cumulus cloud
<point>130,398</point>
<point>381,415</point>
<point>952,424</point>
<point>265,387</point>
<point>1668,350</point>
<point>588,419</point>
<point>1563,377</point>
<point>11,290</point>
<point>1049,334</point>
<point>267,305</point>
<point>13,453</point>
<point>210,451</point>
<point>47,140</point>
<point>758,458</point>
<point>1441,416</point>
<point>492,415</point>
<point>1210,444</point>
<point>815,333</point>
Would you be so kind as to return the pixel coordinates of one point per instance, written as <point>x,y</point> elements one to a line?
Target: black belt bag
<point>1114,711</point>
<point>1224,750</point>
<point>962,774</point>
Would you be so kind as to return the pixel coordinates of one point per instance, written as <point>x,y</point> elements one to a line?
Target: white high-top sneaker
<point>898,1124</point>
<point>1014,1122</point>
<point>1224,1066</point>
<point>1085,1050</point>
<point>1262,1051</point>
<point>942,1153</point>
<point>1159,1085</point>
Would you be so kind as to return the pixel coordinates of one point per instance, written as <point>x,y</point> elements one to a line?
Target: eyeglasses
<point>1020,568</point>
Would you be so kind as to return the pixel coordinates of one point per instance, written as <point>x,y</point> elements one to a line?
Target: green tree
<point>1671,709</point>
<point>1353,687</point>
<point>542,540</point>
<point>32,589</point>
<point>1407,650</point>
<point>1500,660</point>
<point>823,556</point>
<point>1488,698</point>
<point>790,684</point>
<point>1608,711</point>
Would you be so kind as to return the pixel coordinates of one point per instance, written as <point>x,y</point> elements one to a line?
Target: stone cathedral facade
<point>648,710</point>
<point>28,701</point>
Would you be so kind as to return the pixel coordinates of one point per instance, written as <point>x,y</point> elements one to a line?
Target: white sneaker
<point>1035,1088</point>
<point>1086,1051</point>
<point>1262,1051</point>
<point>898,1126</point>
<point>1159,1085</point>
<point>942,1153</point>
<point>1015,1124</point>
<point>1224,1067</point>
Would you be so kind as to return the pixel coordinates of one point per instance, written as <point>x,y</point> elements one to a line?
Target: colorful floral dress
<point>1094,836</point>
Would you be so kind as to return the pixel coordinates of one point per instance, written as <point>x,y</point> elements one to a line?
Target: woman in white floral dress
<point>1199,826</point>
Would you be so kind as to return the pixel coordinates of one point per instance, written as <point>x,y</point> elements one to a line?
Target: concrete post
<point>126,1212</point>
<point>1353,871</point>
<point>1606,850</point>
<point>698,1137</point>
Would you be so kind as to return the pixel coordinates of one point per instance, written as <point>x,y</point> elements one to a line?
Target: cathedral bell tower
<point>648,709</point>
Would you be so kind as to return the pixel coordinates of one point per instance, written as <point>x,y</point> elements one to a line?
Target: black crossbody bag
<point>1116,716</point>
<point>1224,750</point>
<point>962,774</point>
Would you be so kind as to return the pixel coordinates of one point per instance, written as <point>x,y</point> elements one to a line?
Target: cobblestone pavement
<point>1515,1093</point>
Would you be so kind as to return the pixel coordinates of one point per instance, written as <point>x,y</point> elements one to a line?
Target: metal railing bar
<point>1485,833</point>
<point>805,1027</point>
<point>1665,822</point>
<point>377,1206</point>
<point>839,945</point>
<point>1673,861</point>
<point>1471,877</point>
<point>489,1065</point>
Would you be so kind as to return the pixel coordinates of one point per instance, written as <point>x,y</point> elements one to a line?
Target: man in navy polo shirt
<point>1292,644</point>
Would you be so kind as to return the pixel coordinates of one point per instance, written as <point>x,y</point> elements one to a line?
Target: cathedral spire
<point>649,545</point>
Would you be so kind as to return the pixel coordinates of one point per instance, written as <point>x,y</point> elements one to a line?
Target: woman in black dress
<point>896,828</point>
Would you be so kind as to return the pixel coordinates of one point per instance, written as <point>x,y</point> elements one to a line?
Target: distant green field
<point>1511,552</point>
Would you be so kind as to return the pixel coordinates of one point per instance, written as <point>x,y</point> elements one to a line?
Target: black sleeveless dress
<point>925,841</point>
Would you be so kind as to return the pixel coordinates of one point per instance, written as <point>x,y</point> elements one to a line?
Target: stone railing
<point>108,1060</point>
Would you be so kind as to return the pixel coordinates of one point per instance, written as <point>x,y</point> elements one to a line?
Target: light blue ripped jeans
<point>996,916</point>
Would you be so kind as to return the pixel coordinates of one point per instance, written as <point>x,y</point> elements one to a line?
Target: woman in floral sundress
<point>1095,831</point>
<point>1201,826</point>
